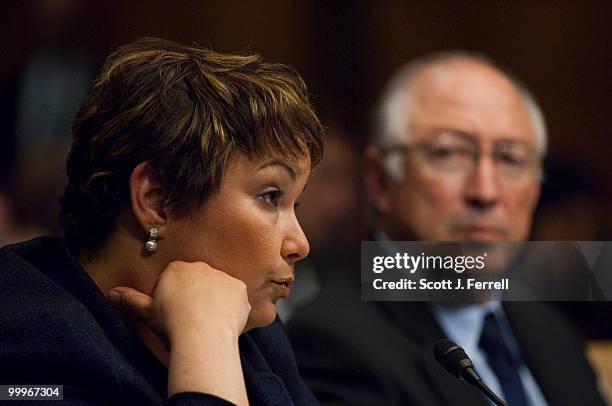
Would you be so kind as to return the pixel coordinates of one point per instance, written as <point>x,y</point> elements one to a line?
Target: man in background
<point>456,156</point>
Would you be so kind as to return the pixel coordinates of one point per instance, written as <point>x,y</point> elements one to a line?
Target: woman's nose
<point>295,246</point>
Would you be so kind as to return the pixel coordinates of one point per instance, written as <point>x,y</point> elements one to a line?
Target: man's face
<point>469,160</point>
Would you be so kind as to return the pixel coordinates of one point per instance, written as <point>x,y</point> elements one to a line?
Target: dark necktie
<point>501,361</point>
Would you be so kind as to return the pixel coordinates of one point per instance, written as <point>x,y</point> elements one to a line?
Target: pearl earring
<point>151,244</point>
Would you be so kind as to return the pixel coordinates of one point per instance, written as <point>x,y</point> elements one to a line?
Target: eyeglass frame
<point>476,153</point>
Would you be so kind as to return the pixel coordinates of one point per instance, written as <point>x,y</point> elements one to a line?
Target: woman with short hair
<point>180,235</point>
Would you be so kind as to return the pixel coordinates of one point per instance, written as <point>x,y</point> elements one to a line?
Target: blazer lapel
<point>264,386</point>
<point>418,323</point>
<point>540,352</point>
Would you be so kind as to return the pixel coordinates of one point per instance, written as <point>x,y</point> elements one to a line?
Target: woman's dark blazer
<point>56,327</point>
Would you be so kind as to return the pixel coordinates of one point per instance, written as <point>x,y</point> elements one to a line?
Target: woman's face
<point>249,229</point>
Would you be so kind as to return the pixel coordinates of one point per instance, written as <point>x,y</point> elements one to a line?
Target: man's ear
<point>377,180</point>
<point>147,197</point>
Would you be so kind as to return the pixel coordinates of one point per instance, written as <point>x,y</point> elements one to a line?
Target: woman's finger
<point>131,301</point>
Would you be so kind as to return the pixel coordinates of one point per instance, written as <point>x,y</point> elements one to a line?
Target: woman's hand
<point>198,312</point>
<point>188,296</point>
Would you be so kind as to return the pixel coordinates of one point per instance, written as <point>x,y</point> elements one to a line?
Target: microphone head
<point>452,357</point>
<point>456,362</point>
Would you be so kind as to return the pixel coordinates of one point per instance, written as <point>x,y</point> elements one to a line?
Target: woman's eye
<point>272,197</point>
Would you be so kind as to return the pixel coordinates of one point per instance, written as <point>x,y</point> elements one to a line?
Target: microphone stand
<point>489,393</point>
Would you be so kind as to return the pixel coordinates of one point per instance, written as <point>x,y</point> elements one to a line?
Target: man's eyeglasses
<point>453,155</point>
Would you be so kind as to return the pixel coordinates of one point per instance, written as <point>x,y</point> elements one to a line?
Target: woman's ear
<point>147,197</point>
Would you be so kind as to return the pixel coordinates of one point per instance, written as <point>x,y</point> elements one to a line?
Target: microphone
<point>456,362</point>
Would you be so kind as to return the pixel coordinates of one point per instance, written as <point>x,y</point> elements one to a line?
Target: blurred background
<point>346,52</point>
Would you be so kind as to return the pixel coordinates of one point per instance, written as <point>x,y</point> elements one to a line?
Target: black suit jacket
<point>56,327</point>
<point>380,353</point>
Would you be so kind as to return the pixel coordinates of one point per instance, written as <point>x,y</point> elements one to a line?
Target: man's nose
<point>482,189</point>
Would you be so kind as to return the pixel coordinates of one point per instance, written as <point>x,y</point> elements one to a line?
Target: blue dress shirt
<point>463,324</point>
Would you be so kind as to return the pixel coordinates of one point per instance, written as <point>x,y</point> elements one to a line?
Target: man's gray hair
<point>393,110</point>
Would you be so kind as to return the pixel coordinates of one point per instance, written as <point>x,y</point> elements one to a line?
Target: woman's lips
<point>283,287</point>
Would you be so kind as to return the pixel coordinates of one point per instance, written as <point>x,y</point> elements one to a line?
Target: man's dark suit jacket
<point>380,353</point>
<point>56,327</point>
